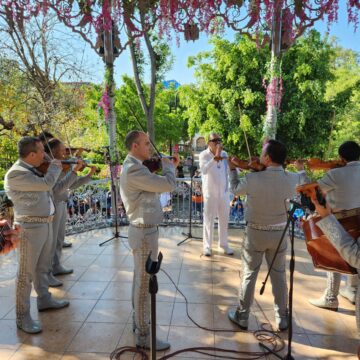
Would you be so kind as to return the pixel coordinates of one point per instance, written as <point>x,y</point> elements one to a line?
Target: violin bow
<point>67,140</point>
<point>245,136</point>
<point>142,128</point>
<point>45,138</point>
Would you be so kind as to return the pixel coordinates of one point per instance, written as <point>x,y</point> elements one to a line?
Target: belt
<point>265,227</point>
<point>143,226</point>
<point>35,219</point>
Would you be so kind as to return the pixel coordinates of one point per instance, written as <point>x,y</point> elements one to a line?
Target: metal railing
<point>89,207</point>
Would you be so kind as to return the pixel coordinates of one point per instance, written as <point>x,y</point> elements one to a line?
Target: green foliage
<point>230,97</point>
<point>169,123</point>
<point>305,117</point>
<point>344,94</point>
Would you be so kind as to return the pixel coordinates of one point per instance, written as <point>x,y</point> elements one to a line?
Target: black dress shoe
<point>60,270</point>
<point>51,304</point>
<point>28,325</point>
<point>67,244</point>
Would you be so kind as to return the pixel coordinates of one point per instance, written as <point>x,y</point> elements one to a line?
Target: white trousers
<point>216,207</point>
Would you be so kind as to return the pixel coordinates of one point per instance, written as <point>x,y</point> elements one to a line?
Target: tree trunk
<point>273,93</point>
<point>148,107</point>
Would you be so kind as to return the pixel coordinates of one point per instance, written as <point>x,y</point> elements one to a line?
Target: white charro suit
<point>342,193</point>
<point>266,217</point>
<point>215,189</point>
<point>140,190</point>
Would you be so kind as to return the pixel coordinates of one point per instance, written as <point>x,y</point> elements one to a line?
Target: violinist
<point>139,192</point>
<point>214,171</point>
<point>266,217</point>
<point>34,210</point>
<point>341,186</point>
<point>68,179</point>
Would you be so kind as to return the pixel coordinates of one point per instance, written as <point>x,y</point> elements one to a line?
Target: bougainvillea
<point>244,16</point>
<point>104,103</point>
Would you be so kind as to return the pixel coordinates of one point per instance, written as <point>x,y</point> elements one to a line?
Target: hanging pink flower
<point>104,103</point>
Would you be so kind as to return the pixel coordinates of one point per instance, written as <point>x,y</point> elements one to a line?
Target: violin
<point>66,164</point>
<point>154,163</point>
<point>254,164</point>
<point>318,164</point>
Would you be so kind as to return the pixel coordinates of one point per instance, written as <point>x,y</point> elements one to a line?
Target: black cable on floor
<point>267,337</point>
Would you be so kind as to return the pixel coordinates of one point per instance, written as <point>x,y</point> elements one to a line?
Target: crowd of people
<point>40,211</point>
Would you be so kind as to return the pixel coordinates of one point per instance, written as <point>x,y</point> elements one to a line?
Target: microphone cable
<point>269,337</point>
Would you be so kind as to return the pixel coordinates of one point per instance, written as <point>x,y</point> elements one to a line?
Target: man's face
<point>37,157</point>
<point>59,152</point>
<point>142,147</point>
<point>214,140</point>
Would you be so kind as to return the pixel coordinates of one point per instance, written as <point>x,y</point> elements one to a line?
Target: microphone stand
<point>152,268</point>
<point>189,235</point>
<point>290,219</point>
<point>116,234</point>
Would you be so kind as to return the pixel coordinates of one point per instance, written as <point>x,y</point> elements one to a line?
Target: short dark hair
<point>45,135</point>
<point>131,137</point>
<point>27,145</point>
<point>51,145</point>
<point>350,151</point>
<point>276,150</point>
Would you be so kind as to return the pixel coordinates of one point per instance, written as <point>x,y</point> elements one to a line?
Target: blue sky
<point>344,32</point>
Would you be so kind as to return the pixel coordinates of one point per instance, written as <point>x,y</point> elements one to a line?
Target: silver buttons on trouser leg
<point>141,291</point>
<point>23,284</point>
<point>333,285</point>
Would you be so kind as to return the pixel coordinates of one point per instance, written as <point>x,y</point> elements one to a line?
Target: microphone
<point>296,204</point>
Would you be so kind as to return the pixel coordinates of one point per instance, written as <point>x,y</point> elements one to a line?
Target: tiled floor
<point>98,319</point>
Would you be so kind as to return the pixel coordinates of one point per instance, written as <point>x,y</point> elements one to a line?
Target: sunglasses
<point>215,140</point>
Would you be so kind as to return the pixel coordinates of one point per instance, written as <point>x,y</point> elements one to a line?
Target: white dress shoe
<point>207,252</point>
<point>227,250</point>
<point>325,303</point>
<point>348,294</point>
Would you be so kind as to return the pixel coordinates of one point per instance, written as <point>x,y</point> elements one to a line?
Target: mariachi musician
<point>31,194</point>
<point>69,177</point>
<point>347,247</point>
<point>266,193</point>
<point>341,186</point>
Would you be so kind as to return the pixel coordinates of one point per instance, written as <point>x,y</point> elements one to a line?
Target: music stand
<point>189,235</point>
<point>114,200</point>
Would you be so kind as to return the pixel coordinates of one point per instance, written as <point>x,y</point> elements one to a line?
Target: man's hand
<point>92,171</point>
<point>231,164</point>
<point>176,160</point>
<point>219,148</point>
<point>299,164</point>
<point>322,211</point>
<point>57,163</point>
<point>11,237</point>
<point>79,165</point>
